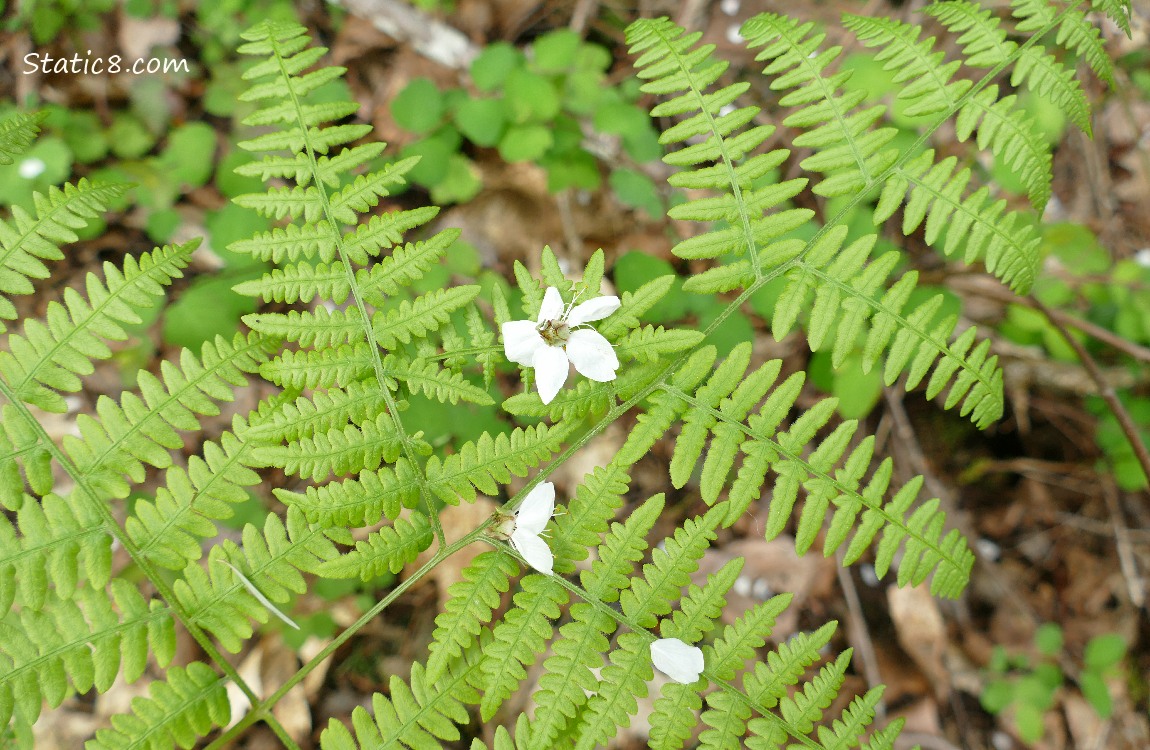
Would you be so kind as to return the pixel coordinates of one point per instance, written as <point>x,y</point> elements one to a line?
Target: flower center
<point>555,332</point>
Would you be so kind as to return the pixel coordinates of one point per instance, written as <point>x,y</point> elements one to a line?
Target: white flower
<point>527,525</point>
<point>555,340</point>
<point>31,168</point>
<point>677,660</point>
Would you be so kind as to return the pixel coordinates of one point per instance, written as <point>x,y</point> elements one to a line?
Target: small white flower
<point>31,168</point>
<point>677,660</point>
<point>555,340</point>
<point>524,529</point>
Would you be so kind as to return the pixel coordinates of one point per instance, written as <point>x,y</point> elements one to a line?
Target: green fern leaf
<point>472,601</point>
<point>48,358</point>
<point>434,382</point>
<point>361,501</point>
<point>564,687</point>
<point>272,560</point>
<point>76,645</point>
<point>383,551</point>
<point>168,530</point>
<point>422,715</point>
<point>518,639</point>
<point>485,464</point>
<point>427,313</point>
<point>62,546</point>
<point>27,239</point>
<point>17,132</point>
<point>178,711</point>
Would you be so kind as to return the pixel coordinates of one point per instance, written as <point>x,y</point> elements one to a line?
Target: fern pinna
<point>365,336</point>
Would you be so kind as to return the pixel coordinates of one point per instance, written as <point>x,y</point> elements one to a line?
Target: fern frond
<point>49,358</point>
<point>29,238</point>
<point>800,711</point>
<point>17,132</point>
<point>518,639</point>
<point>340,451</point>
<point>79,644</point>
<point>423,376</point>
<point>831,476</point>
<point>1075,32</point>
<point>564,686</point>
<point>671,66</point>
<point>614,701</point>
<point>169,529</point>
<point>310,415</point>
<point>184,707</point>
<point>648,597</point>
<point>589,513</point>
<point>490,461</point>
<point>361,501</point>
<point>421,715</point>
<point>272,560</point>
<point>1002,127</point>
<point>675,713</point>
<point>22,451</point>
<point>472,601</point>
<point>320,328</point>
<point>386,550</point>
<point>319,368</point>
<point>426,313</point>
<point>405,264</point>
<point>142,429</point>
<point>61,547</point>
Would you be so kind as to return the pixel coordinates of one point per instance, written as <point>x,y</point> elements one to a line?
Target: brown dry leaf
<point>458,521</point>
<point>769,568</point>
<point>138,36</point>
<point>292,711</point>
<point>921,632</point>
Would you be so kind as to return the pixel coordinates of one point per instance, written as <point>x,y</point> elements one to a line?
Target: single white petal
<point>550,363</point>
<point>521,341</point>
<point>592,355</point>
<point>593,309</point>
<point>677,660</point>
<point>536,509</point>
<point>552,307</point>
<point>534,550</point>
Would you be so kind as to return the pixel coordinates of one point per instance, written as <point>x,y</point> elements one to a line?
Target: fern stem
<point>162,587</point>
<point>262,709</point>
<point>357,294</point>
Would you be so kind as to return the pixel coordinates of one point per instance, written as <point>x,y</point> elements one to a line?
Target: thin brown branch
<point>1001,293</point>
<point>1105,390</point>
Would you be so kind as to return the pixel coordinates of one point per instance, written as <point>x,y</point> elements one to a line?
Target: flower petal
<point>592,355</point>
<point>677,660</point>
<point>536,509</point>
<point>593,309</point>
<point>534,550</point>
<point>521,341</point>
<point>552,307</point>
<point>550,363</point>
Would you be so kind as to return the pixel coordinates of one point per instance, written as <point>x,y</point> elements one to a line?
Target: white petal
<point>521,341</point>
<point>677,660</point>
<point>592,355</point>
<point>552,307</point>
<point>593,309</point>
<point>550,363</point>
<point>536,509</point>
<point>534,550</point>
